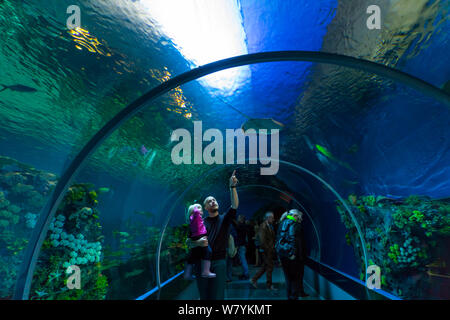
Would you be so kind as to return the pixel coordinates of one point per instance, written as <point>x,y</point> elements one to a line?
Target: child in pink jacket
<point>197,231</point>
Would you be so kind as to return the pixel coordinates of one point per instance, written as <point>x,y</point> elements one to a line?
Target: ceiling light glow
<point>204,31</point>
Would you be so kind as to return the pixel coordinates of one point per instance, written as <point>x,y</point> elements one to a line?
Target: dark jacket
<point>242,232</point>
<point>290,240</point>
<point>266,237</point>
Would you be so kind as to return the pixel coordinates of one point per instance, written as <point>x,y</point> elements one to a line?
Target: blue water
<point>386,139</point>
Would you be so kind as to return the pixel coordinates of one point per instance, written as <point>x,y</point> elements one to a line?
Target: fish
<point>18,88</point>
<point>143,150</point>
<point>134,273</point>
<point>325,152</point>
<point>112,152</point>
<point>144,213</point>
<point>110,264</point>
<point>103,190</point>
<point>121,233</point>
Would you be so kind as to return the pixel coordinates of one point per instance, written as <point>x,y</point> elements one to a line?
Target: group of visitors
<point>219,239</point>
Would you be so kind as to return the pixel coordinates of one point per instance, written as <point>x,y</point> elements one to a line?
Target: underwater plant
<point>22,192</point>
<point>404,236</point>
<point>369,200</point>
<point>74,238</point>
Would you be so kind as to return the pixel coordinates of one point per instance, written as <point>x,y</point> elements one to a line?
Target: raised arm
<point>233,192</point>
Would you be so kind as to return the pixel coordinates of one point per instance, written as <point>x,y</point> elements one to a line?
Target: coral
<point>93,195</point>
<point>416,216</point>
<point>402,235</point>
<point>8,217</point>
<point>369,200</point>
<point>35,200</point>
<point>75,194</point>
<point>3,201</point>
<point>362,209</point>
<point>348,240</point>
<point>84,212</point>
<point>353,199</point>
<point>4,223</point>
<point>11,179</point>
<point>20,196</point>
<point>14,209</point>
<point>407,254</point>
<point>413,200</point>
<point>74,238</point>
<point>21,189</point>
<point>30,220</point>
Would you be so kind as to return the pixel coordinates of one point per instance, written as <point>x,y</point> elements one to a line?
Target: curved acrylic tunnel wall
<point>112,216</point>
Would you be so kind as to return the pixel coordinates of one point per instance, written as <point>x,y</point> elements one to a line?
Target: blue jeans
<point>229,268</point>
<point>243,259</point>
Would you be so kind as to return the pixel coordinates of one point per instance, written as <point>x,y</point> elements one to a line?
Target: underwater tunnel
<point>88,175</point>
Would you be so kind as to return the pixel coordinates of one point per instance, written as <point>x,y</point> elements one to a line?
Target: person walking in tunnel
<point>241,243</point>
<point>257,244</point>
<point>218,228</point>
<point>250,242</point>
<point>231,253</point>
<point>267,243</point>
<point>197,231</point>
<point>291,249</point>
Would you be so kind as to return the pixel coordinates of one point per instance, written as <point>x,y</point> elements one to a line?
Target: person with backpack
<point>291,249</point>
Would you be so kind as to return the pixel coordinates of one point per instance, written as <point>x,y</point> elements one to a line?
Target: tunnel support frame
<point>25,274</point>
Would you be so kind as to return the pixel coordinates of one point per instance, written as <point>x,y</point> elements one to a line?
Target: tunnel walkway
<point>321,282</point>
<point>242,290</point>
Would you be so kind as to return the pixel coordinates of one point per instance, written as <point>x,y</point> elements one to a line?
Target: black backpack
<point>284,244</point>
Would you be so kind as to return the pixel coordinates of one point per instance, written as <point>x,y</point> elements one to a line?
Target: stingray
<point>257,124</point>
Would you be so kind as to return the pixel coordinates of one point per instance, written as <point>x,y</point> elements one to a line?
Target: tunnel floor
<point>242,290</point>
